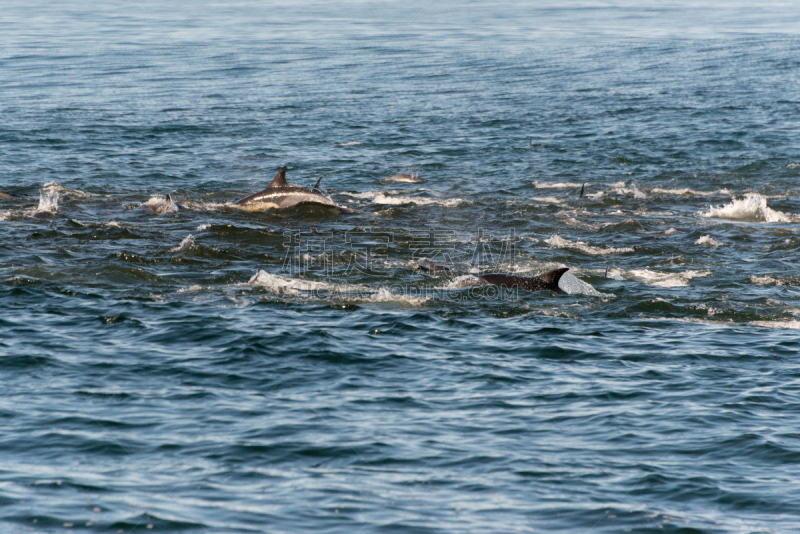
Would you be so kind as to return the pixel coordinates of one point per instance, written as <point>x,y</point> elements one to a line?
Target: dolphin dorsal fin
<point>280,179</point>
<point>316,185</point>
<point>580,195</point>
<point>552,278</point>
<point>168,200</point>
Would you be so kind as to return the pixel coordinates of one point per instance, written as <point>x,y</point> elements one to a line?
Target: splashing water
<point>48,201</point>
<point>752,208</point>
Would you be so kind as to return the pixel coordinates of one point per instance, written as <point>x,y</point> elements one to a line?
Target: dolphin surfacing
<point>405,178</point>
<point>547,281</point>
<point>279,195</point>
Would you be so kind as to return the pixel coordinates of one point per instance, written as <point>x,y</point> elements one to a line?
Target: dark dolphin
<point>280,194</point>
<point>547,281</point>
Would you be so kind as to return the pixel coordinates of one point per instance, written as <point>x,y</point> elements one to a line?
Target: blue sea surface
<point>217,369</point>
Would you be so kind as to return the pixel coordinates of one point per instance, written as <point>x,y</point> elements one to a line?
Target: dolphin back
<point>547,281</point>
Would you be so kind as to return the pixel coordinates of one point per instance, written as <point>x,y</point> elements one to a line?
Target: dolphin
<point>547,281</point>
<point>5,194</point>
<point>172,205</point>
<point>280,194</point>
<point>580,195</point>
<point>405,178</point>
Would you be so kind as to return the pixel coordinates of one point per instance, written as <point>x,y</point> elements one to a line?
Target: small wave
<point>351,292</point>
<point>708,241</point>
<point>752,208</point>
<point>548,200</point>
<point>387,295</point>
<point>385,198</point>
<point>465,281</point>
<point>191,288</point>
<point>560,242</point>
<point>687,191</point>
<point>186,244</point>
<point>556,185</point>
<point>55,187</point>
<point>777,324</point>
<point>666,279</point>
<point>419,201</point>
<point>631,191</point>
<point>351,143</point>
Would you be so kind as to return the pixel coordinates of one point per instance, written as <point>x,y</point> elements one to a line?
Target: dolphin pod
<point>279,194</point>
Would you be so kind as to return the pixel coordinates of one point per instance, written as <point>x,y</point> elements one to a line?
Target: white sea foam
<point>190,288</point>
<point>708,241</point>
<point>294,286</point>
<point>113,224</point>
<point>203,227</point>
<point>777,324</point>
<point>419,201</point>
<point>351,292</point>
<point>548,200</point>
<point>466,281</point>
<point>655,278</point>
<point>386,198</point>
<point>766,280</point>
<point>556,185</point>
<point>351,143</point>
<point>752,208</point>
<point>687,191</point>
<point>187,243</point>
<point>632,191</point>
<point>5,215</point>
<point>559,242</point>
<point>369,194</point>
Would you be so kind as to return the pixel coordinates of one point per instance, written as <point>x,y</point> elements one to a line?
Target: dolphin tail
<point>581,193</point>
<point>551,279</point>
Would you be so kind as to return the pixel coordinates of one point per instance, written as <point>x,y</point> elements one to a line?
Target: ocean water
<point>218,370</point>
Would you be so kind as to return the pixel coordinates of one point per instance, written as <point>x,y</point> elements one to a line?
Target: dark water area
<point>214,369</point>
